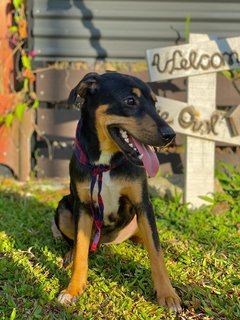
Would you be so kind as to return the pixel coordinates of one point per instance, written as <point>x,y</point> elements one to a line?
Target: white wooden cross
<point>198,119</point>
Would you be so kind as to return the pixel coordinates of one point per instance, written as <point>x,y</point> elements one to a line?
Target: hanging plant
<point>18,34</point>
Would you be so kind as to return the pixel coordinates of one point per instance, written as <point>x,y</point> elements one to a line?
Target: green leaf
<point>228,74</point>
<point>13,29</point>
<point>16,18</point>
<point>9,119</point>
<point>206,198</point>
<point>204,263</point>
<point>17,3</point>
<point>19,110</point>
<point>26,61</point>
<point>25,85</point>
<point>35,104</point>
<point>187,28</point>
<point>13,314</point>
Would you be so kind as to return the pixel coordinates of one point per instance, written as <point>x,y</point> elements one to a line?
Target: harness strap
<point>98,215</point>
<point>96,172</point>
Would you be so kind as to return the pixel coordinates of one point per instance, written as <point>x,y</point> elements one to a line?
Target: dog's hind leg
<point>166,295</point>
<point>63,226</point>
<point>66,223</point>
<point>78,280</point>
<point>63,220</point>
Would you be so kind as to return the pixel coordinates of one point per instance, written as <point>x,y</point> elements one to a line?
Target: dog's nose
<point>167,133</point>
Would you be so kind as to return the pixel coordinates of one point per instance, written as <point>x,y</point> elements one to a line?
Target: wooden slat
<point>56,153</point>
<point>52,168</point>
<point>227,155</point>
<point>170,163</point>
<point>54,85</point>
<point>227,94</point>
<point>57,124</point>
<point>176,89</point>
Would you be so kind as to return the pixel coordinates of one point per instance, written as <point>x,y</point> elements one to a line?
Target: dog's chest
<point>110,195</point>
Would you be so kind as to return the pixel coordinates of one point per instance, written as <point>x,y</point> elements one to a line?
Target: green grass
<point>201,248</point>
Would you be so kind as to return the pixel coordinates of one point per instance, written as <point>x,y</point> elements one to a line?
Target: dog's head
<point>125,116</point>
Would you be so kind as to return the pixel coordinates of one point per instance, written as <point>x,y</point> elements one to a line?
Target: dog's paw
<point>66,298</point>
<point>171,301</point>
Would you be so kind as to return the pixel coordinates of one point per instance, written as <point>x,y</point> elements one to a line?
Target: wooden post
<point>200,154</point>
<point>25,133</point>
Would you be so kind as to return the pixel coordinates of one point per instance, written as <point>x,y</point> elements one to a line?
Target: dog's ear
<point>88,85</point>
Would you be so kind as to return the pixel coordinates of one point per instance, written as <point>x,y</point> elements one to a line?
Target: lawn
<point>201,249</point>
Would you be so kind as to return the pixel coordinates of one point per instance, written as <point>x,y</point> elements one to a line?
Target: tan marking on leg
<point>166,294</point>
<point>83,191</point>
<point>78,280</point>
<point>66,223</point>
<point>133,191</point>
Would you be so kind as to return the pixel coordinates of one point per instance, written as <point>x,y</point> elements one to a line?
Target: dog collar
<point>96,172</point>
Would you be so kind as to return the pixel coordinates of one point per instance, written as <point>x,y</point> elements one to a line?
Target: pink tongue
<point>149,159</point>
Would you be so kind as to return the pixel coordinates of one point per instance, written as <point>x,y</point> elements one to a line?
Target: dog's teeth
<point>140,157</point>
<point>124,134</point>
<point>126,139</point>
<point>131,145</point>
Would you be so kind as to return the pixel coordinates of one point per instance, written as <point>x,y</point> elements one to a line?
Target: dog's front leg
<point>147,230</point>
<point>78,280</point>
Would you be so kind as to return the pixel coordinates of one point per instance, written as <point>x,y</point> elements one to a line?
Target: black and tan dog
<point>115,141</point>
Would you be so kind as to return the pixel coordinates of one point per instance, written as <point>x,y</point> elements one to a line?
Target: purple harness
<point>96,172</point>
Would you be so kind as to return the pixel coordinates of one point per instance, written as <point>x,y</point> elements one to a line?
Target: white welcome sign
<point>194,59</point>
<point>198,119</point>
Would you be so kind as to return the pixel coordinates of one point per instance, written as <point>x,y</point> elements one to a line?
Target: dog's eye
<point>130,101</point>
